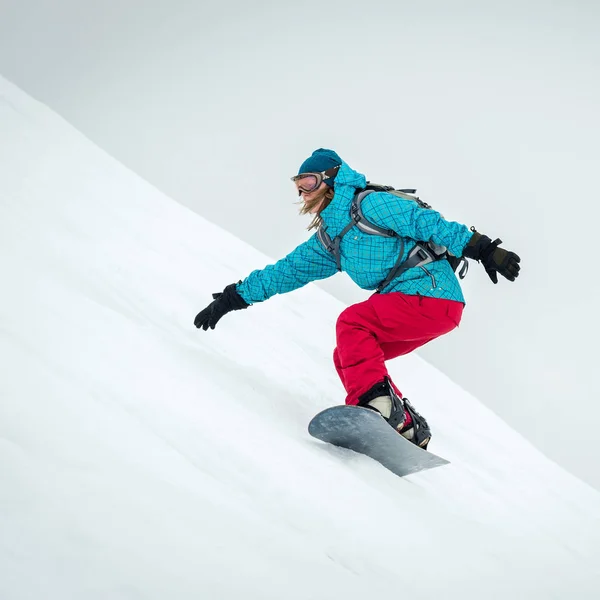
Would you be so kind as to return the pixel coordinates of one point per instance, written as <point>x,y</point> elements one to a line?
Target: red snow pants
<point>383,327</point>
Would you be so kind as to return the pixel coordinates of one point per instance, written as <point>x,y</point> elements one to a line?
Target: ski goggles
<point>309,182</point>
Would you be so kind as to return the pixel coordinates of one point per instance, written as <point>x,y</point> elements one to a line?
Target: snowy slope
<point>141,458</point>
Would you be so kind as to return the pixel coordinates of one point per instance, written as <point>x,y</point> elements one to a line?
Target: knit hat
<point>321,160</point>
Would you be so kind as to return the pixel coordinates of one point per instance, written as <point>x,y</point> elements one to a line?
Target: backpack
<point>422,254</point>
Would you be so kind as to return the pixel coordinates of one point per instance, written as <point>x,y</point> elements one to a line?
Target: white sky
<point>143,459</point>
<point>490,110</point>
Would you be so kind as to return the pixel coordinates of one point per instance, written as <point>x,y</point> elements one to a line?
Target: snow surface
<point>141,458</point>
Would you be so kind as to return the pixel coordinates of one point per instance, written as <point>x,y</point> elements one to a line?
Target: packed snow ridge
<point>143,459</point>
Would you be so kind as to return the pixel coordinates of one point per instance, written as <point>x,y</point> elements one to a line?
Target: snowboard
<point>367,432</point>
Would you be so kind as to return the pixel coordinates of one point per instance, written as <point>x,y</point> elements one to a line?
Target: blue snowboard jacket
<point>367,258</point>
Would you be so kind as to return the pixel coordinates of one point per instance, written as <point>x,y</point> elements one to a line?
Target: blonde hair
<point>327,193</point>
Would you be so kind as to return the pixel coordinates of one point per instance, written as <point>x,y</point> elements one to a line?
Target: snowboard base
<point>367,432</point>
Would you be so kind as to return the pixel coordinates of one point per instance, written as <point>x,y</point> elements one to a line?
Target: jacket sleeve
<point>409,220</point>
<point>308,262</point>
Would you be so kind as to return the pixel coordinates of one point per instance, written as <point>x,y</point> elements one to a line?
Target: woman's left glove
<point>224,302</point>
<point>494,259</point>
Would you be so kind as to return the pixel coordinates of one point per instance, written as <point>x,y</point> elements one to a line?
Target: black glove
<point>494,259</point>
<point>224,302</point>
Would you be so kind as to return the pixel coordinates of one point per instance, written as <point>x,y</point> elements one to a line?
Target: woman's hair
<point>306,207</point>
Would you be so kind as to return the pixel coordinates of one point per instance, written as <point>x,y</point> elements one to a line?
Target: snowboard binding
<point>398,412</point>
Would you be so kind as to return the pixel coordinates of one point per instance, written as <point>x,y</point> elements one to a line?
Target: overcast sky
<point>489,109</point>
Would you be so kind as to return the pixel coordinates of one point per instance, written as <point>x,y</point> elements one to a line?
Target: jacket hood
<point>337,214</point>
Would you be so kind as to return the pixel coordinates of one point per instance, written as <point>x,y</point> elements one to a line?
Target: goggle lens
<point>307,182</point>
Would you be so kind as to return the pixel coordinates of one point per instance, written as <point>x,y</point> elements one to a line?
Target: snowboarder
<point>415,306</point>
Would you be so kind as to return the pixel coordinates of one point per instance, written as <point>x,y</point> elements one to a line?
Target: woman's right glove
<point>223,302</point>
<point>494,259</point>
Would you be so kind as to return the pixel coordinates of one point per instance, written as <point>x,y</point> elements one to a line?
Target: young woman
<point>412,306</point>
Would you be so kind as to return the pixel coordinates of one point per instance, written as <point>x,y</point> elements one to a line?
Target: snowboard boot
<point>398,412</point>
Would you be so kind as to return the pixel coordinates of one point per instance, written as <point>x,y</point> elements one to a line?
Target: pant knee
<point>350,317</point>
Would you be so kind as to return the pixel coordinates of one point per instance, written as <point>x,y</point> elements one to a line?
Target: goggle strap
<point>331,173</point>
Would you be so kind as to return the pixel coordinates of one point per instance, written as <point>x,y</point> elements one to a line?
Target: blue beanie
<point>321,160</point>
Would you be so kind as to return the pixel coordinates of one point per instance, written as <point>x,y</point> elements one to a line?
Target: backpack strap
<point>333,245</point>
<point>361,221</point>
<point>419,256</point>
